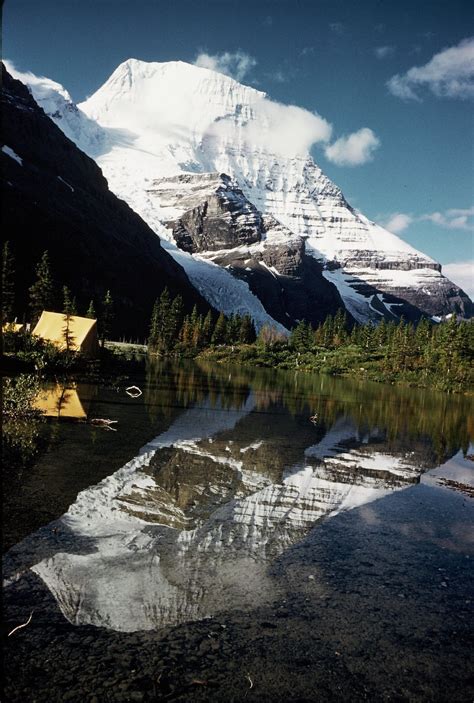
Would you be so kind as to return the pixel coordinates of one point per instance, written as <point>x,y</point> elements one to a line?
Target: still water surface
<point>227,491</point>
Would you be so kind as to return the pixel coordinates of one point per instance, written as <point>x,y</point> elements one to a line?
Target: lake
<point>242,534</point>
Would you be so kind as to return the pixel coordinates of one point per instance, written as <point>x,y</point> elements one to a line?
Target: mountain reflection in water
<point>190,526</point>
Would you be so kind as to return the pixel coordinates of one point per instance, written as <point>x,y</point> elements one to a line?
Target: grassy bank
<point>350,361</point>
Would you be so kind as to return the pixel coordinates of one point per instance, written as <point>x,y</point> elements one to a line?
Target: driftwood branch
<point>104,422</point>
<point>19,627</point>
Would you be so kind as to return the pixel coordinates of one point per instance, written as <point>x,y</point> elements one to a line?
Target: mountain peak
<point>138,68</point>
<point>139,93</point>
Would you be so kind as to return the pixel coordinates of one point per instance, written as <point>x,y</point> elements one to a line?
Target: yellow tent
<point>82,331</point>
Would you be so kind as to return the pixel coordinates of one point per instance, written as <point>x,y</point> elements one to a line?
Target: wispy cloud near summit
<point>236,65</point>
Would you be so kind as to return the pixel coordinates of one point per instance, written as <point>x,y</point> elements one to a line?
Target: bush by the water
<point>20,418</point>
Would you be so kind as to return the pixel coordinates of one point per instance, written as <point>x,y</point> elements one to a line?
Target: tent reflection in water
<point>81,332</point>
<point>66,402</point>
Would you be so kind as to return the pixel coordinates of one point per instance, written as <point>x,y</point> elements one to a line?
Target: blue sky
<point>336,58</point>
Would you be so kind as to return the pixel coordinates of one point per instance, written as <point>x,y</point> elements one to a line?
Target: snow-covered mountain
<point>169,130</point>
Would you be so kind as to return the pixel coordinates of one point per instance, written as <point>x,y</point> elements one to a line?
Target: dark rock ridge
<point>372,260</point>
<point>446,297</point>
<point>55,197</point>
<point>225,219</point>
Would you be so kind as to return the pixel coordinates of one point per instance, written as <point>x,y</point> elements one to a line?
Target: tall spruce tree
<point>153,335</point>
<point>232,329</point>
<point>339,328</point>
<point>107,317</point>
<point>91,314</point>
<point>247,333</point>
<point>186,334</point>
<point>8,283</point>
<point>42,290</point>
<point>206,331</point>
<point>220,330</point>
<point>176,316</point>
<point>68,310</point>
<point>302,337</point>
<point>68,305</point>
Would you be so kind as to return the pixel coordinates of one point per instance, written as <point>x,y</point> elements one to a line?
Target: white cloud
<point>277,128</point>
<point>236,64</point>
<point>453,218</point>
<point>384,52</point>
<point>354,149</point>
<point>39,86</point>
<point>449,74</point>
<point>398,222</point>
<point>461,273</point>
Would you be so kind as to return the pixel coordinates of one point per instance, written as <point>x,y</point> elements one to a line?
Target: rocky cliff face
<point>224,227</point>
<point>214,219</point>
<point>222,219</point>
<point>55,197</point>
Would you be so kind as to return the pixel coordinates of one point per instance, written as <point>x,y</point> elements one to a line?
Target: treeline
<point>428,354</point>
<point>46,294</point>
<point>446,348</point>
<point>172,332</point>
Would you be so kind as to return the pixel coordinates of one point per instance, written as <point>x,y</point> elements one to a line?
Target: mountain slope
<point>160,121</point>
<point>55,197</point>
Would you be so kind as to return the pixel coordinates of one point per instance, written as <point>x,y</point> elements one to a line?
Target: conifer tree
<point>42,290</point>
<point>176,314</point>
<point>302,337</point>
<point>8,283</point>
<point>327,331</point>
<point>194,319</point>
<point>233,329</point>
<point>196,326</point>
<point>206,330</point>
<point>91,314</point>
<point>339,328</point>
<point>186,334</point>
<point>67,302</point>
<point>219,334</point>
<point>68,310</point>
<point>380,334</point>
<point>195,323</point>
<point>153,335</point>
<point>107,317</point>
<point>247,330</point>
